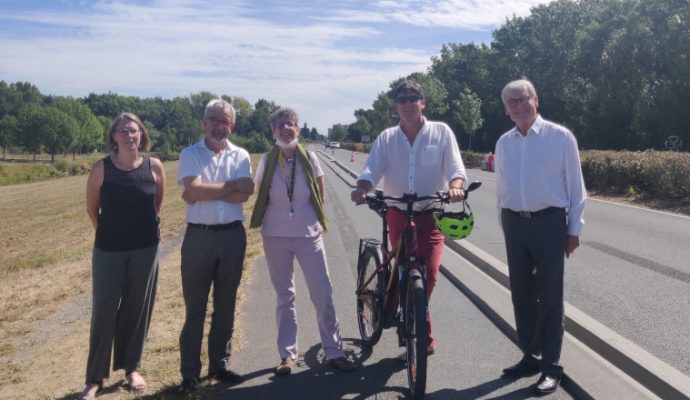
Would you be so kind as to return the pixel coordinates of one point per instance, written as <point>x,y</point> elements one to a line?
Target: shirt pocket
<point>430,155</point>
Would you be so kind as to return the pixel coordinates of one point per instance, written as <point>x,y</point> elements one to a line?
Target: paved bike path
<point>471,350</point>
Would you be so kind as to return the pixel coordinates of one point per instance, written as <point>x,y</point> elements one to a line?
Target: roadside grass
<point>45,294</point>
<point>22,169</point>
<point>24,157</point>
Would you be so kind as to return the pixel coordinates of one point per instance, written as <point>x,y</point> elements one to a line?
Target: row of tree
<point>616,72</point>
<point>34,122</point>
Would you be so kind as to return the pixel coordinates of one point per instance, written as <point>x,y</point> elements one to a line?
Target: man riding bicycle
<point>416,156</point>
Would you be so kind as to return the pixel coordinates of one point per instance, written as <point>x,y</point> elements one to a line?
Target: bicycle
<point>378,304</point>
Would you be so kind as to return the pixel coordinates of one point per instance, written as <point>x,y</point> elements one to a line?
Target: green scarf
<point>269,170</point>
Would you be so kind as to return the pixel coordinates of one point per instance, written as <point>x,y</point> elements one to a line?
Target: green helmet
<point>455,225</point>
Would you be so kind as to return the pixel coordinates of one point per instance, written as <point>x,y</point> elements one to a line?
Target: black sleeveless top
<point>128,219</point>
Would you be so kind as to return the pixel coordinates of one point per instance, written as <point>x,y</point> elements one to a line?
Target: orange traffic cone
<point>352,157</point>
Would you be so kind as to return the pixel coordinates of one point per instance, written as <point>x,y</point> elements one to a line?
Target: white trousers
<point>280,254</point>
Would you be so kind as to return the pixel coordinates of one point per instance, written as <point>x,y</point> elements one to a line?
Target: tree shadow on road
<point>481,391</point>
<point>314,379</point>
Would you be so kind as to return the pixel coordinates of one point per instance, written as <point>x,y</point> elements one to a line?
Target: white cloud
<point>325,68</point>
<point>459,14</point>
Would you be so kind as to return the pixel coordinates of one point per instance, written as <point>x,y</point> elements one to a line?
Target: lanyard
<point>291,187</point>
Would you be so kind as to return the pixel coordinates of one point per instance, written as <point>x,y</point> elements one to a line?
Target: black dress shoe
<point>227,376</point>
<point>526,367</point>
<point>546,384</point>
<point>188,385</point>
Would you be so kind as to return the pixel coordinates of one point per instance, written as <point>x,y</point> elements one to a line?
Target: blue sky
<point>325,59</point>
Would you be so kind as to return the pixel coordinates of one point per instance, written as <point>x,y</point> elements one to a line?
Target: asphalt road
<point>630,273</point>
<point>470,355</point>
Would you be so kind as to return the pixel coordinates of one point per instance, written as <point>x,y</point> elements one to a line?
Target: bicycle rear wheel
<point>370,300</point>
<point>416,332</point>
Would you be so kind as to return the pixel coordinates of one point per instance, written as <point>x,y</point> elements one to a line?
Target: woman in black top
<point>124,194</point>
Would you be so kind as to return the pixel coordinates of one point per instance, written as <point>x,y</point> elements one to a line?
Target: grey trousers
<point>536,250</point>
<point>124,289</point>
<point>209,258</point>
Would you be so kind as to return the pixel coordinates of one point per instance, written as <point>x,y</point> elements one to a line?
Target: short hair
<point>408,85</point>
<point>284,112</point>
<point>220,103</point>
<point>144,143</point>
<point>518,85</point>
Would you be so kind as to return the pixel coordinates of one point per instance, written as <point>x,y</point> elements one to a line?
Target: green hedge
<point>360,147</point>
<point>472,160</point>
<point>652,174</point>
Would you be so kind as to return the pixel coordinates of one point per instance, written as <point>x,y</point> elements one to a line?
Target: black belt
<point>218,227</point>
<point>532,214</point>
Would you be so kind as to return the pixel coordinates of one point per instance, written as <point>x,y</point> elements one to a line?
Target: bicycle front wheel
<point>417,336</point>
<point>370,297</point>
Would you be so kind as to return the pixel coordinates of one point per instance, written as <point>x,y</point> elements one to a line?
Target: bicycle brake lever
<point>474,185</point>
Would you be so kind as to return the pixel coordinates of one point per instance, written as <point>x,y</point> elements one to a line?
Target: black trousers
<point>536,250</point>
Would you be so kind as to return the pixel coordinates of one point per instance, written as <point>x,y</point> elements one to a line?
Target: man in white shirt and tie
<point>541,197</point>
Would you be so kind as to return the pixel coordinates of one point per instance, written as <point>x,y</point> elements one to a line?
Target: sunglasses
<point>404,99</point>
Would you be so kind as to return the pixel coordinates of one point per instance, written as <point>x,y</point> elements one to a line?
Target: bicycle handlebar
<point>377,202</point>
<point>410,197</point>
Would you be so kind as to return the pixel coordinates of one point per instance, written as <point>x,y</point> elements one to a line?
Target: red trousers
<point>429,246</point>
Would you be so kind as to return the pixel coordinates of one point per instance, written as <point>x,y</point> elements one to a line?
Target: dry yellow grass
<point>45,293</point>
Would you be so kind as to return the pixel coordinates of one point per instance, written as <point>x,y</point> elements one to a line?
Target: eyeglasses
<point>127,131</point>
<point>512,103</point>
<point>288,123</point>
<point>219,121</point>
<point>404,99</point>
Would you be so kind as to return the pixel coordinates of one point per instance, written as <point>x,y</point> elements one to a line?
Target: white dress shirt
<point>198,161</point>
<point>425,167</point>
<point>540,170</point>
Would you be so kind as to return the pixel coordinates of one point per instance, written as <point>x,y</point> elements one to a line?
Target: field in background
<point>21,168</point>
<point>45,293</point>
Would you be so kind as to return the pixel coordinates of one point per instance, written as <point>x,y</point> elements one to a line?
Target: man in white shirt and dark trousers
<point>216,176</point>
<point>541,197</point>
<point>416,156</point>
